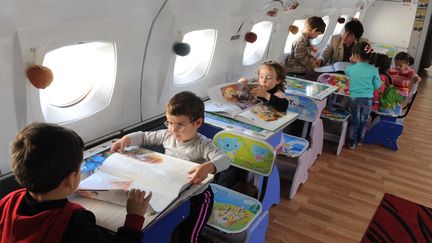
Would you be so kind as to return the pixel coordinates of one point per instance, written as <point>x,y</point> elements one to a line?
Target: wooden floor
<point>342,192</point>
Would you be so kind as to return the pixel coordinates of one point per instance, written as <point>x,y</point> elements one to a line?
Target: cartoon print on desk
<point>232,212</point>
<point>229,145</point>
<point>259,153</point>
<point>305,106</point>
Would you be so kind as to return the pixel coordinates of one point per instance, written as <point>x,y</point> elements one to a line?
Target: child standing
<point>402,74</point>
<point>301,58</point>
<point>46,161</point>
<point>185,114</point>
<point>271,77</point>
<point>364,79</point>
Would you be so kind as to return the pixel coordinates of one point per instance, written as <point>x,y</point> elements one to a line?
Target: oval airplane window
<point>291,37</point>
<point>339,26</point>
<point>195,65</point>
<point>319,38</point>
<point>357,15</point>
<point>84,78</point>
<point>254,52</point>
<point>77,69</point>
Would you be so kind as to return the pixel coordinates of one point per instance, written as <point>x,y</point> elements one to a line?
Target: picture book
<point>339,80</point>
<point>332,68</point>
<point>266,117</point>
<point>165,176</point>
<point>232,98</point>
<point>308,88</point>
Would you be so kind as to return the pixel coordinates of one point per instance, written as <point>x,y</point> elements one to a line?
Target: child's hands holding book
<point>199,173</point>
<point>121,144</point>
<point>137,202</point>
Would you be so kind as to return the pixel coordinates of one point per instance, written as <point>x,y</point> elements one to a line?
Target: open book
<point>332,68</point>
<point>165,176</point>
<point>232,98</point>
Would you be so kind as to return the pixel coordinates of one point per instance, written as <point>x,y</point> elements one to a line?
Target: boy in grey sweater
<point>185,114</point>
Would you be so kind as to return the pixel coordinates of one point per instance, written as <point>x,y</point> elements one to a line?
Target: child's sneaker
<point>352,147</point>
<point>359,144</point>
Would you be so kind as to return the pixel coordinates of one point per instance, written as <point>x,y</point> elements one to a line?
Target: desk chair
<point>387,126</point>
<point>298,149</point>
<point>235,216</point>
<point>335,116</point>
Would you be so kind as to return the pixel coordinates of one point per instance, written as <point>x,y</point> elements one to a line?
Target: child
<point>46,161</point>
<point>301,58</point>
<point>382,62</point>
<point>402,74</point>
<point>185,114</point>
<point>364,79</point>
<point>271,77</point>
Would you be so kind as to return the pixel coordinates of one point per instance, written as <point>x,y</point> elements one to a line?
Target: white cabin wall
<point>49,24</point>
<point>389,22</point>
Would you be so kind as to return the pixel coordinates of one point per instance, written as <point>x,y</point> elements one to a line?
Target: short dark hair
<point>404,56</point>
<point>186,103</point>
<point>280,70</point>
<point>382,62</point>
<point>315,23</point>
<point>355,27</point>
<point>43,155</point>
<point>363,50</point>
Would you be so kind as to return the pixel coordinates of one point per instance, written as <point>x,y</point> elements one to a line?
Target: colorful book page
<point>233,212</point>
<point>339,80</point>
<point>308,88</point>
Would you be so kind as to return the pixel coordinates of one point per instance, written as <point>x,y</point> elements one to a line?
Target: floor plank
<point>343,192</point>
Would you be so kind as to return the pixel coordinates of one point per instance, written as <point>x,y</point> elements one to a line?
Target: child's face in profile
<point>314,34</point>
<point>182,128</point>
<point>401,65</point>
<point>267,77</point>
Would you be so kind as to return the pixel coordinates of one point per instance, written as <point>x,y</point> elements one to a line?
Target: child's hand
<point>260,92</point>
<point>417,78</point>
<point>137,202</point>
<point>243,81</point>
<point>119,145</point>
<point>201,172</point>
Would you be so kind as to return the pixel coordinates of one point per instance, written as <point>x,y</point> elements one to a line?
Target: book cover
<point>332,68</point>
<point>165,176</point>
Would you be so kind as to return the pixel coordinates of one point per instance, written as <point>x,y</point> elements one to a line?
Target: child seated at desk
<point>271,77</point>
<point>46,161</point>
<point>403,76</point>
<point>185,114</point>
